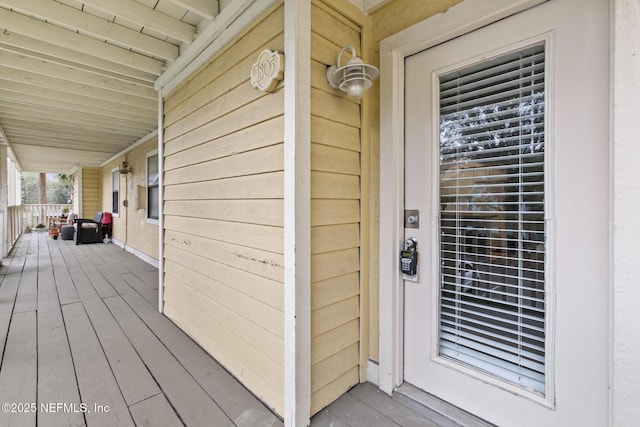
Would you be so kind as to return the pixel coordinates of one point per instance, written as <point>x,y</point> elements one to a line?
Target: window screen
<point>492,211</point>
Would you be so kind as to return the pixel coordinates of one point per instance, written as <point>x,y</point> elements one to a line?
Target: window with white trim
<point>153,202</point>
<point>492,217</point>
<point>115,191</point>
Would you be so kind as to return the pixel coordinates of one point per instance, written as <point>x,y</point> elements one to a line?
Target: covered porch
<point>82,343</point>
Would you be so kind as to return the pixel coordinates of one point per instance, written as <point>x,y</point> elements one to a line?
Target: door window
<point>492,217</point>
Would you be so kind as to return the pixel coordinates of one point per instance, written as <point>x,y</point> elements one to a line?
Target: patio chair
<point>88,230</point>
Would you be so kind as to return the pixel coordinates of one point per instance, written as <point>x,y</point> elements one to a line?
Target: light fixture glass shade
<point>353,78</point>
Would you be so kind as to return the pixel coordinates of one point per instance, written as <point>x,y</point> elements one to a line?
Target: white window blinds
<point>492,229</point>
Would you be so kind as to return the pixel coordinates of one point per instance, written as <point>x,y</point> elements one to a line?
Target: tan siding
<point>91,203</point>
<point>131,226</point>
<point>335,215</point>
<point>205,85</point>
<point>223,207</point>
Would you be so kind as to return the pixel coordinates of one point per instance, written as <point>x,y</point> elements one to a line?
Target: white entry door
<point>506,144</point>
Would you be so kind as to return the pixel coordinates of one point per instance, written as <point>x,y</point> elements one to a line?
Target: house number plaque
<point>268,70</point>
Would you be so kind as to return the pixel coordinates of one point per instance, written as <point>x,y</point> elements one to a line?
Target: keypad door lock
<point>409,257</point>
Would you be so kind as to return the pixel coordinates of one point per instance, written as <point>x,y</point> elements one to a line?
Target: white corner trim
<point>297,213</point>
<point>231,21</point>
<point>460,19</point>
<point>160,220</point>
<point>373,374</point>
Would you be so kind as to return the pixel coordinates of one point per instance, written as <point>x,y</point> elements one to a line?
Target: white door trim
<point>460,19</point>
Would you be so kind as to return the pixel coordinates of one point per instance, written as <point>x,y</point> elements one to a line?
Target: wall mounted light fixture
<point>353,78</point>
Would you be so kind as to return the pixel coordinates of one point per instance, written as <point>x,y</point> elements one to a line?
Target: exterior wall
<point>91,194</point>
<point>390,19</point>
<point>223,212</point>
<point>625,228</point>
<point>335,213</point>
<point>131,227</point>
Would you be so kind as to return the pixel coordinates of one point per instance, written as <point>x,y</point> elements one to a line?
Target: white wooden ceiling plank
<point>70,107</point>
<point>77,20</point>
<point>27,46</point>
<point>31,65</point>
<point>94,150</point>
<point>207,9</point>
<point>50,126</point>
<point>18,122</point>
<point>147,17</point>
<point>86,118</point>
<point>47,118</point>
<point>34,28</point>
<point>67,144</point>
<point>42,159</point>
<point>67,141</point>
<point>54,88</point>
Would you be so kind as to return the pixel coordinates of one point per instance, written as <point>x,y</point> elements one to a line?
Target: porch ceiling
<point>77,76</point>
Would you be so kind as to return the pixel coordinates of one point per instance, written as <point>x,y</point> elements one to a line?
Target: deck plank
<point>67,293</point>
<point>99,283</point>
<point>134,380</point>
<point>374,398</point>
<point>18,376</point>
<point>325,418</point>
<point>95,378</point>
<point>356,413</point>
<point>27,298</point>
<point>190,401</point>
<point>237,402</point>
<point>150,294</point>
<point>56,374</point>
<point>8,294</point>
<point>155,411</point>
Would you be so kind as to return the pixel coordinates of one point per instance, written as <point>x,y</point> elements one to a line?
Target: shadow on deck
<point>82,344</point>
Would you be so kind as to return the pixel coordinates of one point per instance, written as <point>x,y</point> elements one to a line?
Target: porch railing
<point>14,226</point>
<point>32,215</point>
<point>20,216</point>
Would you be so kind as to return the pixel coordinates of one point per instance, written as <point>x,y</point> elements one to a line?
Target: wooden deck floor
<point>82,344</point>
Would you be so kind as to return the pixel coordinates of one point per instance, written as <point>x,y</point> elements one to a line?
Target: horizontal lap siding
<point>335,216</point>
<point>223,212</point>
<point>91,198</point>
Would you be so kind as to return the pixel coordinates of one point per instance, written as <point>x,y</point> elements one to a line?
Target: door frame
<point>458,20</point>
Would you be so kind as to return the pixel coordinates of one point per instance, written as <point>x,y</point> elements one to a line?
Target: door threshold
<point>428,404</point>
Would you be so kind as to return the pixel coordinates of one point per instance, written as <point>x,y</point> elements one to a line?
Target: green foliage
<point>59,188</point>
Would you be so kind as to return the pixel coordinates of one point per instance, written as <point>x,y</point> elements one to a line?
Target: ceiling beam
<point>208,9</point>
<point>17,23</point>
<point>139,14</point>
<point>101,29</point>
